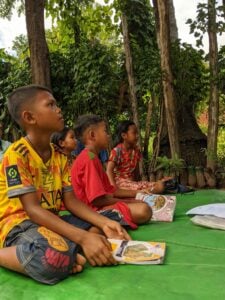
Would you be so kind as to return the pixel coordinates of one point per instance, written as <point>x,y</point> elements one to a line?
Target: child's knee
<point>145,213</point>
<point>46,264</point>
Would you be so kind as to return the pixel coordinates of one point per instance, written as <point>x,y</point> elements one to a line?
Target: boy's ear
<point>27,117</point>
<point>92,134</point>
<point>61,143</point>
<point>123,135</point>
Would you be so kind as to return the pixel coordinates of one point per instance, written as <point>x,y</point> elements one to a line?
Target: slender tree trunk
<point>39,54</point>
<point>162,9</point>
<point>214,95</point>
<point>157,139</point>
<point>173,22</point>
<point>151,105</point>
<point>131,80</point>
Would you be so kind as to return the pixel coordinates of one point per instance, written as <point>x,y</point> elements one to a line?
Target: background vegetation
<point>88,65</point>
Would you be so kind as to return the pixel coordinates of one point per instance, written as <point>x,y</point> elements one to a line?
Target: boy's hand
<point>113,230</point>
<point>97,250</point>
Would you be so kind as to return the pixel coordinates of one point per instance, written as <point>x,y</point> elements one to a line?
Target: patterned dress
<point>126,161</point>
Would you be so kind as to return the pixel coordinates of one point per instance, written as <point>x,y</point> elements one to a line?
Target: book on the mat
<point>163,206</point>
<point>209,221</point>
<point>214,209</point>
<point>138,252</point>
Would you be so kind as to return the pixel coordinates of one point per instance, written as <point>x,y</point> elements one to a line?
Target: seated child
<point>90,181</point>
<point>3,144</point>
<point>34,179</point>
<point>65,140</point>
<point>122,167</point>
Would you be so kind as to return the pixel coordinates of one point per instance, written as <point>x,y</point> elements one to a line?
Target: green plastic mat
<point>194,267</point>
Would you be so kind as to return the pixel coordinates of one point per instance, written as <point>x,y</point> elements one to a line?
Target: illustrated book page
<point>163,206</point>
<point>138,252</point>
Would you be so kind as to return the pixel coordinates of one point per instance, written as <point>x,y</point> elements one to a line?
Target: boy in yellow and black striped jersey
<point>34,180</point>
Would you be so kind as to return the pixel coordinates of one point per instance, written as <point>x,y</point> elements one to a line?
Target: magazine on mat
<point>138,252</point>
<point>209,221</point>
<point>214,209</point>
<point>163,206</point>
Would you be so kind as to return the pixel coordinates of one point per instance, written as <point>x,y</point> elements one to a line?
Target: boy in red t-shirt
<point>90,181</point>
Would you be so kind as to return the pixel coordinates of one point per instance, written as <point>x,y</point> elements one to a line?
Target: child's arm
<point>109,172</point>
<point>96,247</point>
<point>122,193</point>
<point>81,210</point>
<point>109,200</point>
<point>105,200</point>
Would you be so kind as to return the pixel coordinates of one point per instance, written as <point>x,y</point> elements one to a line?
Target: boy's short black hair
<point>84,122</point>
<point>21,96</point>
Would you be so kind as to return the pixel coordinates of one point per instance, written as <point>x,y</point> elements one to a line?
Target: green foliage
<point>221,65</point>
<point>169,164</point>
<point>7,7</point>
<point>145,54</point>
<point>144,51</point>
<point>14,72</point>
<point>85,80</point>
<point>85,58</point>
<point>199,26</point>
<point>88,65</point>
<point>190,73</point>
<point>221,147</point>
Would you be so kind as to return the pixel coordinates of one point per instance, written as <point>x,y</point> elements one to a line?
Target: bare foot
<point>79,264</point>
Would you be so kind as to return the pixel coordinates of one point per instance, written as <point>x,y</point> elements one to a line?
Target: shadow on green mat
<point>194,267</point>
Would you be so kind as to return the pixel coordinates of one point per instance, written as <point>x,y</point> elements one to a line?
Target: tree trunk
<point>39,54</point>
<point>157,140</point>
<point>192,140</point>
<point>213,111</point>
<point>167,78</point>
<point>131,80</point>
<point>173,22</point>
<point>151,104</point>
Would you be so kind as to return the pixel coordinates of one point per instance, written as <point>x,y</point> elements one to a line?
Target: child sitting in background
<point>65,140</point>
<point>90,182</point>
<point>34,179</point>
<point>123,164</point>
<point>3,144</point>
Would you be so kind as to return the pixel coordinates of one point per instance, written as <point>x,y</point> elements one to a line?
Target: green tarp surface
<point>194,267</point>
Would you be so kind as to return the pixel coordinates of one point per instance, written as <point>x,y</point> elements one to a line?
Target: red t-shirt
<point>89,179</point>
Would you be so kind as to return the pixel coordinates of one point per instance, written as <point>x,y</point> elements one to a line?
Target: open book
<point>163,206</point>
<point>138,252</point>
<point>213,209</point>
<point>209,221</point>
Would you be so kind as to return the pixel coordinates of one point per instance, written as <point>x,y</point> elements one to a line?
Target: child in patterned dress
<point>122,167</point>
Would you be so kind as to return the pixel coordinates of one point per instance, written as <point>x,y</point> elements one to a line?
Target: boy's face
<point>45,114</point>
<point>69,142</point>
<point>101,136</point>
